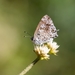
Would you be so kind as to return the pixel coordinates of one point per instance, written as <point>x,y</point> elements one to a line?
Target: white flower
<point>42,51</point>
<point>53,47</point>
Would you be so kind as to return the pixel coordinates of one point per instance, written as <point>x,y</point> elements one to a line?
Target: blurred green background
<point>16,51</point>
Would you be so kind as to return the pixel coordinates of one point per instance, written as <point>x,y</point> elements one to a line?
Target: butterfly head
<point>36,41</point>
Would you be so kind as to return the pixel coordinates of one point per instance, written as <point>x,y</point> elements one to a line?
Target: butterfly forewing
<point>44,31</point>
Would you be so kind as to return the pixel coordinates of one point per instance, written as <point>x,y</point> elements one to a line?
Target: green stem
<point>29,66</point>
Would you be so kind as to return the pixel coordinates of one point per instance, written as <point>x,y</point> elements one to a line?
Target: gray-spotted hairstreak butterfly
<point>45,31</point>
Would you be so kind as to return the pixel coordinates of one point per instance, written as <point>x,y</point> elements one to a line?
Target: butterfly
<point>45,31</point>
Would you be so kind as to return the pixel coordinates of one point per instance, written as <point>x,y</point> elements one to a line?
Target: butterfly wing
<point>44,31</point>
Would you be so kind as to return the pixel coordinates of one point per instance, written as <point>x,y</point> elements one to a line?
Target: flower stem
<point>29,66</point>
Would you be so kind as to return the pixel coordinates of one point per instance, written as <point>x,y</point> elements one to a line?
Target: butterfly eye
<point>32,38</point>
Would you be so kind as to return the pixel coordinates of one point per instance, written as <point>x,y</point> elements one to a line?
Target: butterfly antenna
<point>28,34</point>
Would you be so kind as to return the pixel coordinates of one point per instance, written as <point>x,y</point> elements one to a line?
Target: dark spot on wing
<point>47,27</point>
<point>38,34</point>
<point>53,30</point>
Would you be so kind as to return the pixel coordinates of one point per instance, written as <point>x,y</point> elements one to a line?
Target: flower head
<point>44,51</point>
<point>53,47</point>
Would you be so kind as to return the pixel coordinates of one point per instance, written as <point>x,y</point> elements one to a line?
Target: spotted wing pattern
<point>44,31</point>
